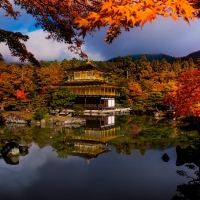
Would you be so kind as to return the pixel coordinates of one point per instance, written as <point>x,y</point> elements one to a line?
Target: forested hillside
<point>142,83</point>
<point>150,57</point>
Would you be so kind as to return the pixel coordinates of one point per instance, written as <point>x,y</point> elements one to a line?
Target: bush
<point>78,110</point>
<point>39,113</point>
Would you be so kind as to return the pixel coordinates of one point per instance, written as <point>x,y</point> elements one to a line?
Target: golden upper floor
<point>86,72</point>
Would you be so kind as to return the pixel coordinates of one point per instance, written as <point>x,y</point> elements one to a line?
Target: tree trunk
<point>2,106</point>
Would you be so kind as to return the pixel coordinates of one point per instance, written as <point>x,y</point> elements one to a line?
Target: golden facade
<point>91,87</point>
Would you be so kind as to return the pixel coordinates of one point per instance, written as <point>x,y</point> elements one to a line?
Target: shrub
<point>78,110</point>
<point>39,113</point>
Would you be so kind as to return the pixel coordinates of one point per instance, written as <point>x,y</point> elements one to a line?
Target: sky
<point>162,36</point>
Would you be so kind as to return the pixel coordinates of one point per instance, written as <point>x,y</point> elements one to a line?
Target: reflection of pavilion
<point>98,130</point>
<point>89,150</point>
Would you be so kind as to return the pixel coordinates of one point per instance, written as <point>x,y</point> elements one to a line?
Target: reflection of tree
<point>191,190</point>
<point>133,128</point>
<point>123,147</point>
<point>20,134</point>
<point>62,143</point>
<point>142,132</point>
<point>79,131</point>
<point>40,136</point>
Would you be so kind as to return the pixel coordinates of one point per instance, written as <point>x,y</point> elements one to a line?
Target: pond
<point>110,158</point>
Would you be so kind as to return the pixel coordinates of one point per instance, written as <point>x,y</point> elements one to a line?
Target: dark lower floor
<point>95,103</point>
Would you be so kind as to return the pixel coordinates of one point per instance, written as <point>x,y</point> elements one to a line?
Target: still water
<point>110,158</point>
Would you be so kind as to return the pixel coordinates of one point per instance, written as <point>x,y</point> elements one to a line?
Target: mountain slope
<point>170,59</point>
<point>195,55</point>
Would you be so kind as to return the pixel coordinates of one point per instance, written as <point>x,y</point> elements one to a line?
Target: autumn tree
<point>7,89</point>
<point>20,94</point>
<point>142,69</point>
<point>28,79</point>
<point>191,63</point>
<point>186,98</point>
<point>135,90</point>
<point>50,74</point>
<point>66,21</point>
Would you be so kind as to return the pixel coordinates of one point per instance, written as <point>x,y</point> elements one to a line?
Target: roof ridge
<point>87,67</point>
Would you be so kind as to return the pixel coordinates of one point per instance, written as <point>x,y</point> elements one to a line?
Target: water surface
<point>132,168</point>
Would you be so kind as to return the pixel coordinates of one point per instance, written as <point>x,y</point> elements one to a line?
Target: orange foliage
<point>186,98</point>
<point>67,20</point>
<point>130,13</point>
<point>170,86</point>
<point>20,94</point>
<point>158,86</point>
<point>130,102</point>
<point>135,90</point>
<point>51,74</point>
<point>43,90</point>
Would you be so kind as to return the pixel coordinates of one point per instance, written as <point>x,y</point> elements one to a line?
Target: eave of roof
<point>84,83</point>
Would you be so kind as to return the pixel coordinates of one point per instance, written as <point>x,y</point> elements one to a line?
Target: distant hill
<point>170,59</point>
<point>195,55</point>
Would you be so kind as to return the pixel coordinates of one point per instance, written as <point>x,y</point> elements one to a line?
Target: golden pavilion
<point>90,85</point>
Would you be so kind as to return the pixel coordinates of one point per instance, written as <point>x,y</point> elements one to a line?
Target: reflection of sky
<point>111,176</point>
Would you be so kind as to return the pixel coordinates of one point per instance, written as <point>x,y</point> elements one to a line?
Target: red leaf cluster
<point>186,98</point>
<point>20,94</point>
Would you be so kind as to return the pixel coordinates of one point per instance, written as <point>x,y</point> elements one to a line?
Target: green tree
<point>154,100</point>
<point>39,113</point>
<point>60,98</point>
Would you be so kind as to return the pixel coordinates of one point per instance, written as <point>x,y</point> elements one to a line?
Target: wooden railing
<point>85,77</point>
<point>94,91</point>
<point>95,107</point>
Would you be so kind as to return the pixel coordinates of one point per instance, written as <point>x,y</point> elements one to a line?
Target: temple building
<point>90,85</point>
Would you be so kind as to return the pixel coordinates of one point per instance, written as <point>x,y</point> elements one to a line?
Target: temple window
<point>89,75</point>
<point>77,75</point>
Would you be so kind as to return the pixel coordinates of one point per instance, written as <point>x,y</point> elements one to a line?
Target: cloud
<point>42,48</point>
<point>28,169</point>
<point>48,50</point>
<point>162,36</point>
